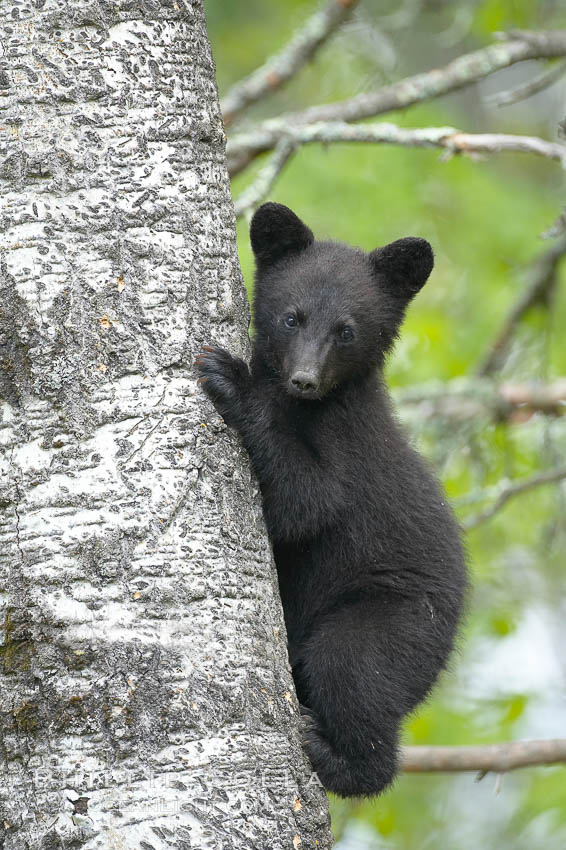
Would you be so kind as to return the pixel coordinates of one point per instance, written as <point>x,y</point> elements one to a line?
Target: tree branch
<point>495,757</point>
<point>541,282</point>
<point>461,72</point>
<point>260,188</point>
<point>543,81</point>
<point>509,491</point>
<point>285,64</point>
<point>468,398</point>
<point>448,138</point>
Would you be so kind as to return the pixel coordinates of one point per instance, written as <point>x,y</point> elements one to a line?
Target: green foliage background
<point>485,219</point>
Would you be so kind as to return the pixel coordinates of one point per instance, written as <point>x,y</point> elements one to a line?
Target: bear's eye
<point>347,334</point>
<point>290,321</point>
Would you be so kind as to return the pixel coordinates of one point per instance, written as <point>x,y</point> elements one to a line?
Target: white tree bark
<point>145,698</point>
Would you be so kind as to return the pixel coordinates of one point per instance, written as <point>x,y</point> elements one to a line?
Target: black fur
<point>370,563</point>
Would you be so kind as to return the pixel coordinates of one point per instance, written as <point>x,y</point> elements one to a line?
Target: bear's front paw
<point>225,380</point>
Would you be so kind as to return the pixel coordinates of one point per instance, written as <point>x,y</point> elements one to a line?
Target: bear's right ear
<point>276,231</point>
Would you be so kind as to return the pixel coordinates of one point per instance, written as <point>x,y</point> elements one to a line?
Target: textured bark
<point>146,700</point>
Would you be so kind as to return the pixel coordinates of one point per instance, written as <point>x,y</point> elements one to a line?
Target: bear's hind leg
<point>363,669</point>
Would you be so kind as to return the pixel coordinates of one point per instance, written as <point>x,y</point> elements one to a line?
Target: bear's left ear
<point>276,231</point>
<point>404,265</point>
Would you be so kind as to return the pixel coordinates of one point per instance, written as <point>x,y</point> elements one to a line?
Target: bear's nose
<point>305,381</point>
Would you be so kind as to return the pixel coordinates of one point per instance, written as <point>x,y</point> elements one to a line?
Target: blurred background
<point>488,219</point>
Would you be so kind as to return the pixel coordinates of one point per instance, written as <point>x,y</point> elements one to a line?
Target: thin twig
<point>461,72</point>
<point>285,64</point>
<point>498,758</point>
<point>509,491</point>
<point>543,81</point>
<point>541,281</point>
<point>260,188</point>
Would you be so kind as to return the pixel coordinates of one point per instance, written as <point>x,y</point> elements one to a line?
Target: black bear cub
<point>369,558</point>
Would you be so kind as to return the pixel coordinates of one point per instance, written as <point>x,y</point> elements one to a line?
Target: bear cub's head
<point>326,313</point>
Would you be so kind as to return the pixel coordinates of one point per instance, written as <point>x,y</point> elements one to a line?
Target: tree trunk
<point>146,699</point>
